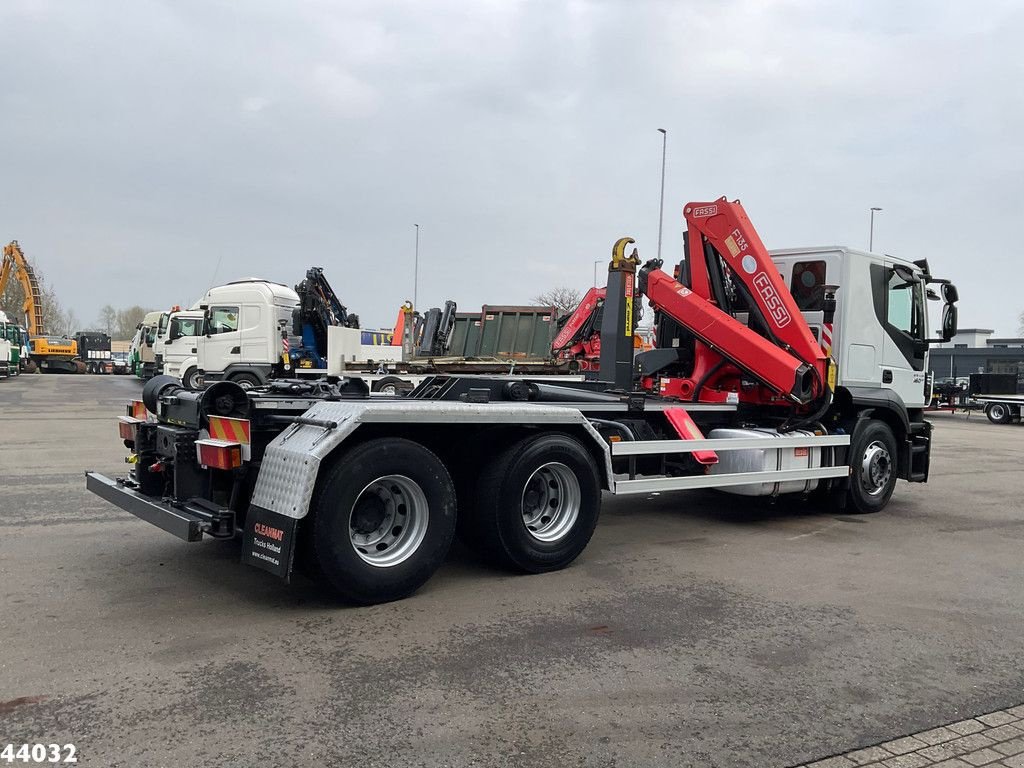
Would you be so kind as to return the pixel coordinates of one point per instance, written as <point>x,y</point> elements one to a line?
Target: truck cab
<point>152,326</point>
<point>179,346</point>
<point>243,329</point>
<point>879,338</point>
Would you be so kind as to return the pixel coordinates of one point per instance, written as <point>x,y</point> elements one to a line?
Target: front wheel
<point>998,413</point>
<point>192,379</point>
<point>537,504</point>
<point>873,468</point>
<point>246,381</point>
<point>383,520</point>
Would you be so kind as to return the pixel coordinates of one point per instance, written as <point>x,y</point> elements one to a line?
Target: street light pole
<point>661,203</point>
<point>599,261</point>
<point>871,235</point>
<point>416,271</point>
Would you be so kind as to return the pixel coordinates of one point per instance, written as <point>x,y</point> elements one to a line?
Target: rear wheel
<point>537,504</point>
<point>998,413</point>
<point>383,520</point>
<point>873,468</point>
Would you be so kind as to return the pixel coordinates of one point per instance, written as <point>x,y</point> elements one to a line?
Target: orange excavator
<point>51,354</point>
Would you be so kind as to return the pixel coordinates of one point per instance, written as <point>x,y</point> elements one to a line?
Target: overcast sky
<point>151,149</point>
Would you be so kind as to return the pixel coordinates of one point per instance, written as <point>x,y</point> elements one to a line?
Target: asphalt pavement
<point>698,629</point>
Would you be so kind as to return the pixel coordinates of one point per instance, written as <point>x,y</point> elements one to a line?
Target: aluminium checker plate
<point>292,460</point>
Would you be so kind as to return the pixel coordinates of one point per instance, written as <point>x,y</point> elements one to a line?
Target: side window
<point>188,326</point>
<point>903,310</point>
<point>808,285</point>
<point>223,320</point>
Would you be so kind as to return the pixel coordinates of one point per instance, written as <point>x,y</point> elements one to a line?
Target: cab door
<point>221,346</point>
<point>899,303</point>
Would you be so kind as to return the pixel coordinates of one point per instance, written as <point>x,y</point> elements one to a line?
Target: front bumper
<point>188,520</point>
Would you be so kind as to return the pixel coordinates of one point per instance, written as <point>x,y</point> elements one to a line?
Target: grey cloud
<point>146,141</point>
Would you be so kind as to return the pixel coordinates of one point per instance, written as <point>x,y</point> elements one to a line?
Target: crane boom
<point>16,265</point>
<point>730,271</point>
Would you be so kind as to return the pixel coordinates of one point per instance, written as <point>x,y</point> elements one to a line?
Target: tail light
<point>137,410</point>
<point>219,454</point>
<point>127,426</point>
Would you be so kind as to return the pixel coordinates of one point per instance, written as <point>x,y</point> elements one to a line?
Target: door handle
<point>887,377</point>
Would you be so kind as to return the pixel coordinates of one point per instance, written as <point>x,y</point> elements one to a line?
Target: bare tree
<point>107,321</point>
<point>127,320</point>
<point>564,299</point>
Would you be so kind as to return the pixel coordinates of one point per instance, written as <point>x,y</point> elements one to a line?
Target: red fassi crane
<point>579,339</point>
<point>782,354</point>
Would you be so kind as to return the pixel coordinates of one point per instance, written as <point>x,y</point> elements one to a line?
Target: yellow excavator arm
<point>16,265</point>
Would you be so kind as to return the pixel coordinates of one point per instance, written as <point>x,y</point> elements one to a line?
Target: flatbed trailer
<point>1001,409</point>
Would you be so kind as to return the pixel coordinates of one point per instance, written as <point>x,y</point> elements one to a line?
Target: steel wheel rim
<point>876,468</point>
<point>997,411</point>
<point>388,521</point>
<point>551,502</point>
<point>389,389</point>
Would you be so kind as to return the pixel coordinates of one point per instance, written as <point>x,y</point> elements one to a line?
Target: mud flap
<point>269,541</point>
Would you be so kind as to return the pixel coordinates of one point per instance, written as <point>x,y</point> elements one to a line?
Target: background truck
<point>801,374</point>
<point>17,339</point>
<point>143,348</point>
<point>7,369</point>
<point>177,353</point>
<point>1000,394</point>
<point>257,330</point>
<point>94,351</point>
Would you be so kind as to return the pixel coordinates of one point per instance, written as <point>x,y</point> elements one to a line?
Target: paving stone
<point>1014,762</point>
<point>869,755</point>
<point>982,757</point>
<point>997,718</point>
<point>1017,711</point>
<point>1012,747</point>
<point>937,735</point>
<point>1004,732</point>
<point>833,762</point>
<point>904,745</point>
<point>954,763</point>
<point>957,747</point>
<point>965,727</point>
<point>912,760</point>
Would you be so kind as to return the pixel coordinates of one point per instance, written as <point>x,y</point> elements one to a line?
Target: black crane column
<point>617,321</point>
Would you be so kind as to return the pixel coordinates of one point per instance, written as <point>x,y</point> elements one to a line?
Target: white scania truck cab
<point>243,330</point>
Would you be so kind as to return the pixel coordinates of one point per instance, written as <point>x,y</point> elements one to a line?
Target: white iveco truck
<point>801,373</point>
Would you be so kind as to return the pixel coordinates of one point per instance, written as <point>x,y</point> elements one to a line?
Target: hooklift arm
<point>786,357</point>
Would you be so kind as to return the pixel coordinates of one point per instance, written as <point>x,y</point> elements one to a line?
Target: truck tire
<point>383,520</point>
<point>998,413</point>
<point>191,379</point>
<point>874,471</point>
<point>536,505</point>
<point>246,381</point>
<point>392,385</point>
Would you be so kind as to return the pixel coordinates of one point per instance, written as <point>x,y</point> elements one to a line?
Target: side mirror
<point>949,321</point>
<point>950,295</point>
